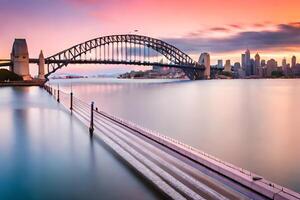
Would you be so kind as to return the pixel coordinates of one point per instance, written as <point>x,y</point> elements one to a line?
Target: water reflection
<point>45,152</point>
<point>253,124</point>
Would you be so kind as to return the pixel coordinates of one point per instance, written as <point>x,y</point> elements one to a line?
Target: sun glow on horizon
<point>222,29</point>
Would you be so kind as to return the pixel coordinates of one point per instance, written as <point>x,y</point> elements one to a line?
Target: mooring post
<point>58,94</point>
<point>92,119</point>
<point>71,101</point>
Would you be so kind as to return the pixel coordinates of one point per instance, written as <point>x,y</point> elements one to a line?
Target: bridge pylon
<point>20,59</point>
<point>41,65</point>
<point>204,59</point>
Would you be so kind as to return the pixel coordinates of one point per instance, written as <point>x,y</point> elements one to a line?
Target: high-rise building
<point>252,67</point>
<point>271,67</point>
<point>286,68</point>
<point>243,61</point>
<point>204,59</point>
<point>263,63</point>
<point>272,63</point>
<point>236,68</point>
<point>247,57</point>
<point>256,67</point>
<point>248,64</point>
<point>257,60</point>
<point>227,66</point>
<point>220,64</point>
<point>284,62</point>
<point>294,61</point>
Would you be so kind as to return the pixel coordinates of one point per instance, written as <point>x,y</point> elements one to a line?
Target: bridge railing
<point>87,113</point>
<point>83,111</point>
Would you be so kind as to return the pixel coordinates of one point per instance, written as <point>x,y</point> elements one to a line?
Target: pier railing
<point>89,115</point>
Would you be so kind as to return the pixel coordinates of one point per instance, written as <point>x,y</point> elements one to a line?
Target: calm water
<point>47,154</point>
<point>254,124</point>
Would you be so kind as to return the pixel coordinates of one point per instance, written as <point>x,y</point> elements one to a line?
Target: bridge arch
<point>123,49</point>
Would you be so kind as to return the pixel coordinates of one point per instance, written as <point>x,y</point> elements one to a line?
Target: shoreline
<point>39,83</point>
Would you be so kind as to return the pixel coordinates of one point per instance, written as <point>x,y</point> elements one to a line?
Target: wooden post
<point>92,119</point>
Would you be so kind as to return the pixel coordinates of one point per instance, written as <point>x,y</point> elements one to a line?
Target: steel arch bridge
<point>126,49</point>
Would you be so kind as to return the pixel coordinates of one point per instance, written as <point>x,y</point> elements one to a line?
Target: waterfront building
<point>220,64</point>
<point>263,63</point>
<point>241,73</point>
<point>296,70</point>
<point>243,61</point>
<point>236,68</point>
<point>248,63</point>
<point>227,66</point>
<point>256,64</point>
<point>247,57</point>
<point>271,66</point>
<point>285,67</point>
<point>260,72</point>
<point>204,59</point>
<point>252,67</point>
<point>294,61</point>
<point>257,60</point>
<point>272,63</point>
<point>284,64</point>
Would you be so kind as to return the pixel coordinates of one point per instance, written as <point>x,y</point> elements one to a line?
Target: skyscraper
<point>252,67</point>
<point>257,60</point>
<point>247,57</point>
<point>243,61</point>
<point>248,65</point>
<point>257,65</point>
<point>294,60</point>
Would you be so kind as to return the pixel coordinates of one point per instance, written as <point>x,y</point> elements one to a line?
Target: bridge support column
<point>20,59</point>
<point>41,66</point>
<point>205,60</point>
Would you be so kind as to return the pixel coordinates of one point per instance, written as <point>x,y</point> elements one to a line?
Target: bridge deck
<point>176,169</point>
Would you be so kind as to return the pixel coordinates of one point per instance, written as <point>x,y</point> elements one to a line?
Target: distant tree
<point>277,74</point>
<point>6,75</point>
<point>225,73</point>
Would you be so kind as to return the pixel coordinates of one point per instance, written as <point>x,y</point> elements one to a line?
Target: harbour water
<point>45,153</point>
<point>253,124</point>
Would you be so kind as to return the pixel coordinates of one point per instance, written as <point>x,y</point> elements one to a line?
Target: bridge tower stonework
<point>204,59</point>
<point>41,66</point>
<point>20,59</point>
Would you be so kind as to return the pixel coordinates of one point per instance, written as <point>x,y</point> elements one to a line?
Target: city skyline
<point>273,29</point>
<point>150,99</point>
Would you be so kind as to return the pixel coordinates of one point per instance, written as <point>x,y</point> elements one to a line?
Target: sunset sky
<point>222,28</point>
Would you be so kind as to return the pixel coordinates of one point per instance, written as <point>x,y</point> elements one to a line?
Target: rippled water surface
<point>254,124</point>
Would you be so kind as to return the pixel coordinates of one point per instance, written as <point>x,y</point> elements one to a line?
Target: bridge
<point>126,49</point>
<point>176,169</point>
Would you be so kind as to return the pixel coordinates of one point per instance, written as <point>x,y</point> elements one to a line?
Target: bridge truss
<point>126,49</point>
